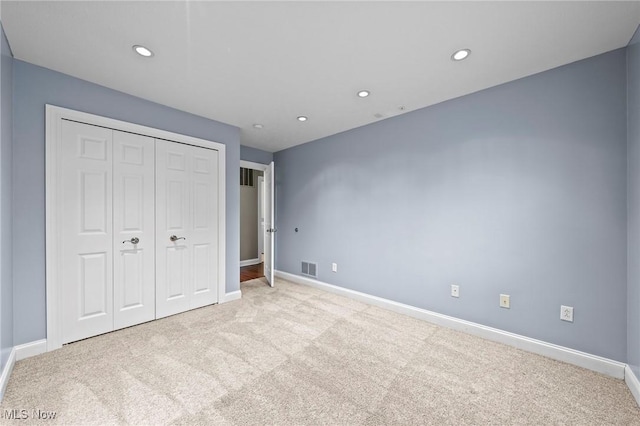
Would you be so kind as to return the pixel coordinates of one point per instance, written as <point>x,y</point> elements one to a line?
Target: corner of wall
<point>633,204</point>
<point>7,349</point>
<point>5,373</point>
<point>632,383</point>
<point>6,196</point>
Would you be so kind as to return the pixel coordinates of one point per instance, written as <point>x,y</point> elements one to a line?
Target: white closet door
<point>86,231</point>
<point>133,229</point>
<point>186,223</point>
<point>172,218</point>
<point>204,235</point>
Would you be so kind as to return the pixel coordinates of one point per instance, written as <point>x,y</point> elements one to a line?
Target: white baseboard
<point>229,297</point>
<point>582,359</point>
<point>19,353</point>
<point>632,383</point>
<point>6,373</point>
<point>250,262</point>
<point>30,349</point>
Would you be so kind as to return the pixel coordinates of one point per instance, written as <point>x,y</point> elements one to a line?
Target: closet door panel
<point>173,224</point>
<point>187,233</point>
<point>205,221</point>
<point>134,229</point>
<point>86,228</point>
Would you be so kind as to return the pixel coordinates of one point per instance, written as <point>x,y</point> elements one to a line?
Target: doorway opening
<point>257,231</point>
<point>253,221</point>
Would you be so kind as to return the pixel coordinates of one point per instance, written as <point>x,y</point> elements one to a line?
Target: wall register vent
<point>310,269</point>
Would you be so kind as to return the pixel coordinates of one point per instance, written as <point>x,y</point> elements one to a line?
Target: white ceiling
<point>268,62</point>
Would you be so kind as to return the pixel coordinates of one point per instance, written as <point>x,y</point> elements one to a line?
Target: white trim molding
<point>632,383</point>
<point>250,262</point>
<point>31,349</point>
<point>230,297</point>
<point>18,353</point>
<point>582,359</point>
<point>53,137</point>
<point>251,165</point>
<point>6,372</point>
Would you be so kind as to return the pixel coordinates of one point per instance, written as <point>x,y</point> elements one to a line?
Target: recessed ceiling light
<point>258,126</point>
<point>461,54</point>
<point>142,51</point>
<point>302,118</point>
<point>363,93</point>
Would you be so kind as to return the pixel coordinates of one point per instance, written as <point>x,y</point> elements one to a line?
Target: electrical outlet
<point>334,267</point>
<point>455,290</point>
<point>566,313</point>
<point>505,301</point>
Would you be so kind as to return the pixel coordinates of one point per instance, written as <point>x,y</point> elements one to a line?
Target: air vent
<point>309,269</point>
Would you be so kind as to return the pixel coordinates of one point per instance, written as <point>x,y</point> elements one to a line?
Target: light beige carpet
<point>294,355</point>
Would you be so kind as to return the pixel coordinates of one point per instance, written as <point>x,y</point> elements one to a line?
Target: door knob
<point>174,238</point>
<point>134,240</point>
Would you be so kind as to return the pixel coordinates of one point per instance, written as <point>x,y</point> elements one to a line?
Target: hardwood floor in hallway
<point>250,272</point>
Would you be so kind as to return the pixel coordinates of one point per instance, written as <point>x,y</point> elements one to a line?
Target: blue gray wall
<point>633,194</point>
<point>255,155</point>
<point>6,284</point>
<point>33,88</point>
<point>518,189</point>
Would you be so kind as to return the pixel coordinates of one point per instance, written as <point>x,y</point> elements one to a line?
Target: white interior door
<point>172,218</point>
<point>186,227</point>
<point>269,223</point>
<point>133,229</point>
<point>85,212</point>
<point>261,218</point>
<point>204,232</point>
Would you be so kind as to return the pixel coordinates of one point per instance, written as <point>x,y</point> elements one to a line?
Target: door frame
<point>53,139</point>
